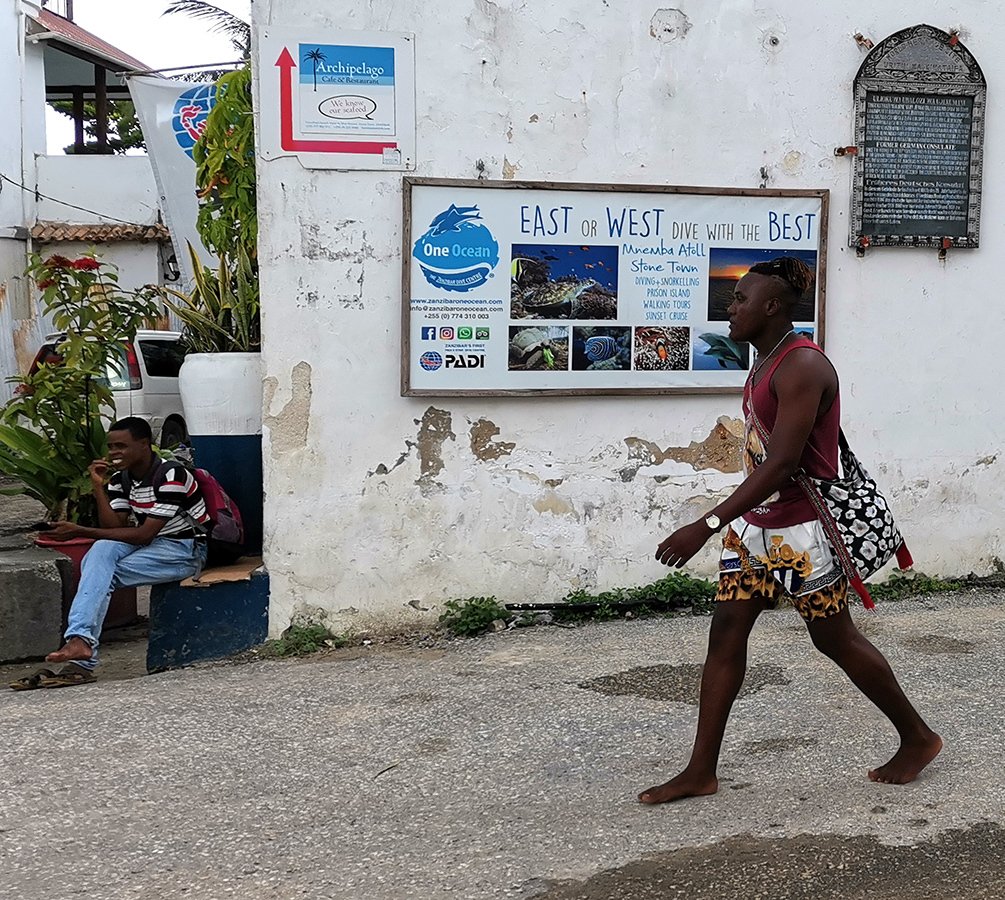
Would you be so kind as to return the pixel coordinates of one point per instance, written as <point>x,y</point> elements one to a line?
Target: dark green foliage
<point>898,586</point>
<point>676,591</point>
<point>474,615</point>
<point>225,170</point>
<point>54,426</point>
<point>301,640</point>
<point>123,127</point>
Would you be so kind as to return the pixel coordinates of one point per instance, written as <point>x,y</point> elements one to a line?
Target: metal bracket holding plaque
<point>920,101</point>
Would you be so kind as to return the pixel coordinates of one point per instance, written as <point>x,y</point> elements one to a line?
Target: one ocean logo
<point>190,111</point>
<point>457,253</point>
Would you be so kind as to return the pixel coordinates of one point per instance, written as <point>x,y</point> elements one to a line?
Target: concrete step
<point>31,599</point>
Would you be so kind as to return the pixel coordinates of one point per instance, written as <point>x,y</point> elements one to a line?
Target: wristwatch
<point>713,522</point>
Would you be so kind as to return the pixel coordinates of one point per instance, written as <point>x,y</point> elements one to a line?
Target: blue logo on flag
<point>190,111</point>
<point>457,253</point>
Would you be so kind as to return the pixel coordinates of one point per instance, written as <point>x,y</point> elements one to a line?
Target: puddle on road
<point>778,745</point>
<point>935,644</point>
<point>678,684</point>
<point>964,865</point>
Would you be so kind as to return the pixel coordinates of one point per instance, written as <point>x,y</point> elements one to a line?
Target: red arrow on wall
<point>286,65</point>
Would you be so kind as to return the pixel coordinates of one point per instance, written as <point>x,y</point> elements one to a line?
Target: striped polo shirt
<point>169,492</point>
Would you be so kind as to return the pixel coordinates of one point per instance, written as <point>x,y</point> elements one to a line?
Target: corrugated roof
<point>74,34</point>
<point>54,232</point>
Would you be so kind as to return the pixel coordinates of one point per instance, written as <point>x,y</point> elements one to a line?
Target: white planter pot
<point>221,393</point>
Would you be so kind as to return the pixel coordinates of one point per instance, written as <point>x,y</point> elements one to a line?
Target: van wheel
<point>173,433</point>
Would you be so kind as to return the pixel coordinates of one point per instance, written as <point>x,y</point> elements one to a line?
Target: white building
<point>380,507</point>
<point>64,203</point>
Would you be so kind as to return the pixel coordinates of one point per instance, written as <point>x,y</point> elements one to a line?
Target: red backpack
<point>226,535</point>
<point>225,532</point>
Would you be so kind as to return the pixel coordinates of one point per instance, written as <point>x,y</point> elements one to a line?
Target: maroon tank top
<point>820,455</point>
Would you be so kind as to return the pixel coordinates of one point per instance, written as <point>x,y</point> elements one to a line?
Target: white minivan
<point>144,384</point>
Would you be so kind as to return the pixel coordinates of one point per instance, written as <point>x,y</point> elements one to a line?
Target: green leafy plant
<point>301,640</point>
<point>54,425</point>
<point>473,615</point>
<point>899,586</point>
<point>225,170</point>
<point>676,591</point>
<point>221,313</point>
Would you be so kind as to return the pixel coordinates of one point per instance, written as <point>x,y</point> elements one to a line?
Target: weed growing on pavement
<point>898,586</point>
<point>300,640</point>
<point>473,616</point>
<point>674,592</point>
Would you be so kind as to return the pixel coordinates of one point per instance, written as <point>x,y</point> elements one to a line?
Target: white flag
<point>172,115</point>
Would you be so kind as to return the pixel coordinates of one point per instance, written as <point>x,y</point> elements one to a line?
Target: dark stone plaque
<point>919,129</point>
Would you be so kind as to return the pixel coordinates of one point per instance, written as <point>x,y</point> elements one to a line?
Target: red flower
<point>58,262</point>
<point>86,264</point>
<point>48,282</point>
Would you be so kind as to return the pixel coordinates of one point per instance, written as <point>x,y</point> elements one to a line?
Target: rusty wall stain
<point>721,450</point>
<point>23,353</point>
<point>482,445</point>
<point>288,428</point>
<point>434,429</point>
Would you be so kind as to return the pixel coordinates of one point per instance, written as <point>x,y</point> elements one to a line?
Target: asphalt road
<point>507,767</point>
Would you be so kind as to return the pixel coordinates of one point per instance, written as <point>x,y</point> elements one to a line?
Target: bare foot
<point>908,761</point>
<point>75,648</point>
<point>684,785</point>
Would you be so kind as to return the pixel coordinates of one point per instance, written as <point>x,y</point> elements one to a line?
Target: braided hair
<point>794,275</point>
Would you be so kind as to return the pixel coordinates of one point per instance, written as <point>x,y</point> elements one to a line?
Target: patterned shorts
<point>794,565</point>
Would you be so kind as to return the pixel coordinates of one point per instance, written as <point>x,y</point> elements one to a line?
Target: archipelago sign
<point>338,99</point>
<point>515,288</point>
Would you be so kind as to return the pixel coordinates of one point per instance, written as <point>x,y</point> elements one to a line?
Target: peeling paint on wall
<point>552,503</point>
<point>482,445</point>
<point>288,428</point>
<point>509,169</point>
<point>721,450</point>
<point>434,429</point>
<point>334,243</point>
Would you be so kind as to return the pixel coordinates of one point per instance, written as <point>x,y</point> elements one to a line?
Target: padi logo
<point>464,361</point>
<point>431,361</point>
<point>457,253</point>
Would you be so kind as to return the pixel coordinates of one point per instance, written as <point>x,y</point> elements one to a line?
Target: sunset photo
<point>727,265</point>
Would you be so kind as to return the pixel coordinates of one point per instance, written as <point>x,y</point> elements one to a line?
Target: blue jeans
<point>113,564</point>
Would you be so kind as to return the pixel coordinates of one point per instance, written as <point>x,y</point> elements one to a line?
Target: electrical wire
<point>40,196</point>
<point>128,73</point>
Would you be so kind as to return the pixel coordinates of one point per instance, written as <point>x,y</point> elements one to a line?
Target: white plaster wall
<point>102,189</point>
<point>138,264</point>
<point>361,520</point>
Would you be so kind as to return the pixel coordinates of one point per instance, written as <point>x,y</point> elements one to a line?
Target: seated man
<point>167,544</point>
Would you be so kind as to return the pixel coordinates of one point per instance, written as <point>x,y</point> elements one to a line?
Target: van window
<point>117,373</point>
<point>163,358</point>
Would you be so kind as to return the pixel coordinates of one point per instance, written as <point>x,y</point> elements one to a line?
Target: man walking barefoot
<point>774,547</point>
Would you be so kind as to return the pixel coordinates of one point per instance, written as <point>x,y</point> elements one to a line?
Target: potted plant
<point>221,378</point>
<point>54,426</point>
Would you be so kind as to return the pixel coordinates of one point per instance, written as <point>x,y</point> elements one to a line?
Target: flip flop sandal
<point>68,677</point>
<point>30,682</point>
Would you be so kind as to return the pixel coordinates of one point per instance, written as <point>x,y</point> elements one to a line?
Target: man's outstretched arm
<point>800,383</point>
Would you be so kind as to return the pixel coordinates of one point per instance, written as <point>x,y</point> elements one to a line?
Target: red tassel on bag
<point>863,592</point>
<point>904,558</point>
